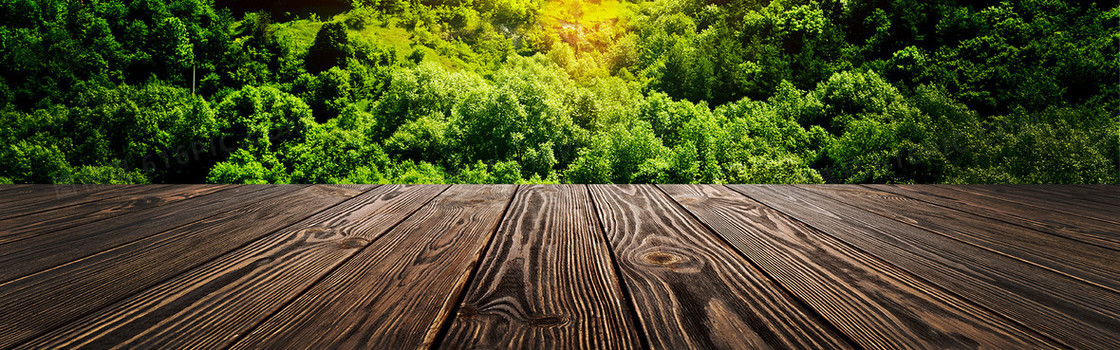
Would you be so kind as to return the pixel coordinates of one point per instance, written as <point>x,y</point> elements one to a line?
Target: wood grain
<point>690,289</point>
<point>1079,260</point>
<point>51,249</point>
<point>1109,193</point>
<point>1100,233</point>
<point>345,266</point>
<point>25,226</point>
<point>9,193</point>
<point>1011,193</point>
<point>41,198</point>
<point>1067,310</point>
<point>397,291</point>
<point>877,305</point>
<point>39,192</point>
<point>1091,194</point>
<point>546,282</point>
<point>37,303</point>
<point>218,302</point>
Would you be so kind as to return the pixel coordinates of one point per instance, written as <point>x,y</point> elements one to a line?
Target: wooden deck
<point>600,266</point>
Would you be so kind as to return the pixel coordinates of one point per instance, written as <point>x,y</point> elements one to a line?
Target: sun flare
<point>584,25</point>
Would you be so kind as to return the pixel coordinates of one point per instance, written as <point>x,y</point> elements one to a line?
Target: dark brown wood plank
<point>218,302</point>
<point>12,192</point>
<point>43,198</point>
<point>24,257</point>
<point>1072,312</point>
<point>1110,192</point>
<point>25,226</point>
<point>36,192</point>
<point>1092,231</point>
<point>690,289</point>
<point>1079,260</point>
<point>1016,194</point>
<point>397,291</point>
<point>37,303</point>
<point>1091,194</point>
<point>546,281</point>
<point>877,305</point>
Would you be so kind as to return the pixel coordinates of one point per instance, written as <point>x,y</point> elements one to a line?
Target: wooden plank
<point>1085,262</point>
<point>218,302</point>
<point>1101,233</point>
<point>1091,194</point>
<point>37,303</point>
<point>1069,311</point>
<point>25,226</point>
<point>12,192</point>
<point>1111,192</point>
<point>43,198</point>
<point>24,257</point>
<point>877,305</point>
<point>397,291</point>
<point>1046,201</point>
<point>40,193</point>
<point>690,289</point>
<point>546,281</point>
<point>36,192</point>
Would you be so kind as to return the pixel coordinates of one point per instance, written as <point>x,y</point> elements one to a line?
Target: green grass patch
<point>300,35</point>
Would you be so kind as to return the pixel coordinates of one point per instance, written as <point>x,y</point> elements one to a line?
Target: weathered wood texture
<point>28,193</point>
<point>216,303</point>
<point>1024,195</point>
<point>397,291</point>
<point>1103,194</point>
<point>39,302</point>
<point>1070,311</point>
<point>547,281</point>
<point>1091,263</point>
<point>690,289</point>
<point>878,305</point>
<point>30,225</point>
<point>572,266</point>
<point>1101,233</point>
<point>54,248</point>
<point>38,198</point>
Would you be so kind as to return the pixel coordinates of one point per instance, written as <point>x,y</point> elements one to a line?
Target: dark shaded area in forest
<point>286,8</point>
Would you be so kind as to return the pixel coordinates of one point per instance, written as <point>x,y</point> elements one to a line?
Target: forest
<point>559,91</point>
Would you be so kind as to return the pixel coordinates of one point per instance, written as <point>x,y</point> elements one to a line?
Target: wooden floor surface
<point>560,266</point>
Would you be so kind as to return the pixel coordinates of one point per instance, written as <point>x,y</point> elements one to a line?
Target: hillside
<point>566,91</point>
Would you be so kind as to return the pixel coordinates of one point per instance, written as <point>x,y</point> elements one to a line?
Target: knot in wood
<point>353,242</point>
<point>319,232</point>
<point>661,258</point>
<point>546,321</point>
<point>468,312</point>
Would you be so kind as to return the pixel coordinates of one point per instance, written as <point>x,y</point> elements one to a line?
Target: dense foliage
<point>598,91</point>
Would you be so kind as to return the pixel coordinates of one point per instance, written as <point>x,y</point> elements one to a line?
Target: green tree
<point>332,154</point>
<point>33,162</point>
<point>878,133</point>
<point>174,49</point>
<point>626,154</point>
<point>244,167</point>
<point>160,129</point>
<point>259,125</point>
